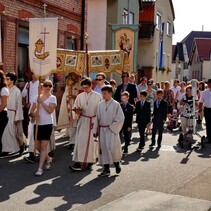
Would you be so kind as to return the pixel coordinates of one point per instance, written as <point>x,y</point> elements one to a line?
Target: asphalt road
<point>170,170</point>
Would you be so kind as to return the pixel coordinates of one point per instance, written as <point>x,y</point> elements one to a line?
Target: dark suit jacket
<point>128,112</point>
<point>160,114</point>
<point>131,88</point>
<point>143,114</point>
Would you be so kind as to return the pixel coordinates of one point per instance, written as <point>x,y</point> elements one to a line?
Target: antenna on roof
<point>202,27</point>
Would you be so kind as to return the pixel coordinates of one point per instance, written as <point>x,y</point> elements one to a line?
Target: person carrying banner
<point>86,105</point>
<point>66,118</point>
<point>47,103</point>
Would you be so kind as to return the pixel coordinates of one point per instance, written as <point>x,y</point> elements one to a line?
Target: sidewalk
<point>155,201</point>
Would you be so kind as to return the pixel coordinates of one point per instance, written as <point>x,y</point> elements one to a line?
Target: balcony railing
<point>147,30</point>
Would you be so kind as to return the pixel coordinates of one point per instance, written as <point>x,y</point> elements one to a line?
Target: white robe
<point>85,147</point>
<point>63,119</point>
<point>10,143</point>
<point>108,123</point>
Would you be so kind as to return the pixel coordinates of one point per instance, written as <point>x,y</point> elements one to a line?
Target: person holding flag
<point>47,103</point>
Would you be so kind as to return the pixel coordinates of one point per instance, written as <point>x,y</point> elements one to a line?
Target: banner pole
<point>123,70</point>
<point>39,92</point>
<point>87,55</point>
<point>37,117</point>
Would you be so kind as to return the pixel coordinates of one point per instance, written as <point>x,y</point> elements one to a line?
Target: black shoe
<point>70,147</point>
<point>4,154</point>
<point>118,167</point>
<point>22,149</point>
<point>140,147</point>
<point>76,167</point>
<point>151,145</point>
<point>159,146</point>
<point>30,158</point>
<point>89,167</point>
<point>105,173</point>
<point>125,152</point>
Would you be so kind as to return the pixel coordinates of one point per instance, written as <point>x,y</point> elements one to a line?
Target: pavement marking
<point>166,148</point>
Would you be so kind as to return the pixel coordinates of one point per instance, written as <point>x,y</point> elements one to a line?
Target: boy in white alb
<point>107,126</point>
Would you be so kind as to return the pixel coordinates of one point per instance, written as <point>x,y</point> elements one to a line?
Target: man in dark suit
<point>126,86</point>
<point>128,113</point>
<point>143,112</point>
<point>159,118</point>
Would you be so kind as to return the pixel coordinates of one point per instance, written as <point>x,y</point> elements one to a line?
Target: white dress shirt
<point>98,89</point>
<point>33,91</point>
<point>175,90</point>
<point>206,98</point>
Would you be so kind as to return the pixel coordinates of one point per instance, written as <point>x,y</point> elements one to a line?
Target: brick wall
<point>69,10</point>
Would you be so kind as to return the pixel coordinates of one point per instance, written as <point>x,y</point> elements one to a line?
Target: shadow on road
<point>150,154</point>
<point>58,182</point>
<point>72,192</point>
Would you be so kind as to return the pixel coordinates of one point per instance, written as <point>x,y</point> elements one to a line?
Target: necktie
<point>158,103</point>
<point>142,104</point>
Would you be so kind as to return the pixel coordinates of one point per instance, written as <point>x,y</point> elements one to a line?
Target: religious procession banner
<point>70,61</point>
<point>106,61</point>
<point>43,45</point>
<point>98,61</point>
<point>125,38</point>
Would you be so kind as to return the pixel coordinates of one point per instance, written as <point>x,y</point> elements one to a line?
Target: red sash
<point>88,143</point>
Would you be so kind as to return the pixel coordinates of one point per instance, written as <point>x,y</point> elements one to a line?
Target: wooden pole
<point>37,118</point>
<point>123,70</point>
<point>87,55</point>
<point>39,92</point>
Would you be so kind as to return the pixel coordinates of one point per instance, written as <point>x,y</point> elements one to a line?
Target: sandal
<point>39,172</point>
<point>48,163</point>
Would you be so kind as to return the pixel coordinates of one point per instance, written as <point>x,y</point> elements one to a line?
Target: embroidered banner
<point>98,61</point>
<point>70,61</point>
<point>106,61</point>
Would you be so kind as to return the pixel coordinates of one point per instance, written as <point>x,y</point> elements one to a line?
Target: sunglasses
<point>47,85</point>
<point>8,79</point>
<point>98,79</point>
<point>124,76</point>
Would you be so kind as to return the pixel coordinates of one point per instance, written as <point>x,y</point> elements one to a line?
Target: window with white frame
<point>158,21</point>
<point>125,17</point>
<point>168,30</point>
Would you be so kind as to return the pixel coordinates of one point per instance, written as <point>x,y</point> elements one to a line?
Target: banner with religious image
<point>43,45</point>
<point>125,38</point>
<point>106,61</point>
<point>70,61</point>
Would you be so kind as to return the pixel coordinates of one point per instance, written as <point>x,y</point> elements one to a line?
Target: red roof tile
<point>203,46</point>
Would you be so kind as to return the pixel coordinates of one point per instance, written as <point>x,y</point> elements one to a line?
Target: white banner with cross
<point>43,45</point>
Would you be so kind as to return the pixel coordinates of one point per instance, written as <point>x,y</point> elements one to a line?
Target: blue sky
<point>190,16</point>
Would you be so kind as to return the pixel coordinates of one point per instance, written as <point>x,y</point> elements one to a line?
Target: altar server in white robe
<point>107,126</point>
<point>66,115</point>
<point>13,139</point>
<point>86,105</point>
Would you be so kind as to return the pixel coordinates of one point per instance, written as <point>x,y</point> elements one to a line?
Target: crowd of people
<point>103,117</point>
